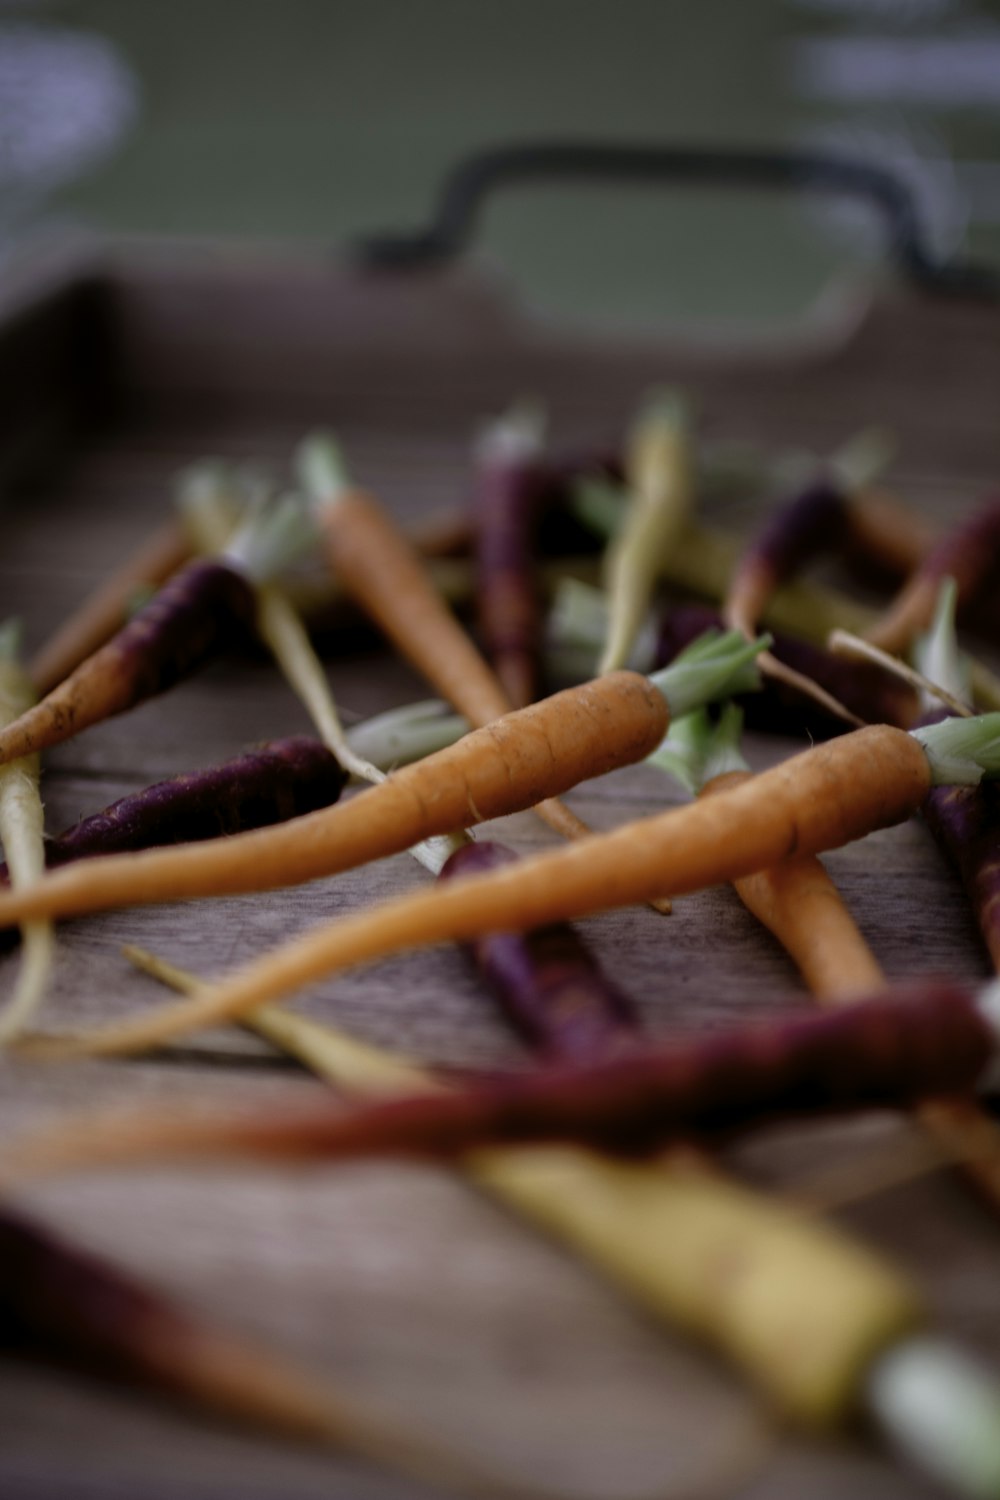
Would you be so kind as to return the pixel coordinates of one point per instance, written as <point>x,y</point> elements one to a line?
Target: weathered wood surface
<point>418,1294</point>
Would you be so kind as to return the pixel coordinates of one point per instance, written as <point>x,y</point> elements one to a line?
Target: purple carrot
<point>970,554</point>
<point>915,1042</point>
<point>547,982</point>
<point>268,784</point>
<point>64,1304</point>
<point>68,1307</point>
<point>197,612</point>
<point>815,522</point>
<point>874,696</point>
<point>965,821</point>
<point>510,482</point>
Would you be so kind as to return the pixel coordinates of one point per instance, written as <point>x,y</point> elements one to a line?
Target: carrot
<point>75,1309</point>
<point>106,610</point>
<point>508,488</point>
<point>376,563</point>
<point>506,767</point>
<point>820,799</point>
<point>548,984</point>
<point>198,611</point>
<point>968,554</point>
<point>815,520</point>
<point>660,470</point>
<point>873,694</point>
<point>268,784</point>
<point>798,902</point>
<point>892,1049</point>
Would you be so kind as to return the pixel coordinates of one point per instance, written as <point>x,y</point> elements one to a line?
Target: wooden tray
<point>422,1297</point>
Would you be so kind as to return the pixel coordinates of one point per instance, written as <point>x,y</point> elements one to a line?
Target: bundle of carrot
<point>896,1050</point>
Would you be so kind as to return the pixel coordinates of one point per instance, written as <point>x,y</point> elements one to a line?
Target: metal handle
<point>466,186</point>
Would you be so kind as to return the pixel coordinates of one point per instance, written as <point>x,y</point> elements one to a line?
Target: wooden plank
<point>422,1296</point>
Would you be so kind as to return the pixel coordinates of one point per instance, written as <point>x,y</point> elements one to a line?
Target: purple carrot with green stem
<point>200,610</point>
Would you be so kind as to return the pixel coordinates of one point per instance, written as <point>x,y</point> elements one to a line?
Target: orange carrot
<point>820,799</point>
<point>379,567</point>
<point>798,902</point>
<point>506,767</point>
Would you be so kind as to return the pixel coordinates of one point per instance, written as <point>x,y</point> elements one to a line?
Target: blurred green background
<point>308,121</point>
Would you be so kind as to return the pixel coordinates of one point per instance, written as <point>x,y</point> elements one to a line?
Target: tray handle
<point>454,216</point>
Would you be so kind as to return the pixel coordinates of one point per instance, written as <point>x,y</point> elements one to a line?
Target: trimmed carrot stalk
<point>871,694</point>
<point>894,1049</point>
<point>968,554</point>
<point>198,611</point>
<point>548,984</point>
<point>507,767</point>
<point>508,489</point>
<point>106,610</point>
<point>190,619</point>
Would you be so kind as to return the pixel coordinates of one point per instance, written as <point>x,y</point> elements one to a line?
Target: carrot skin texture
<point>872,694</point>
<point>506,767</point>
<point>547,983</point>
<point>193,616</point>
